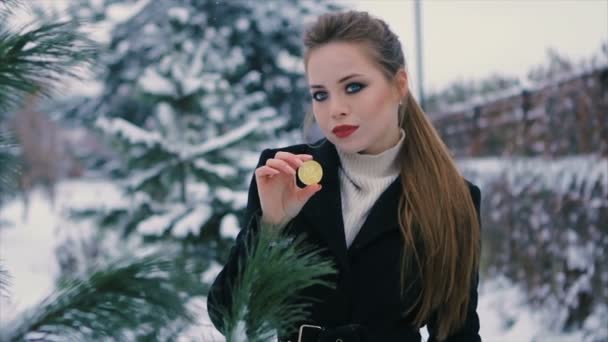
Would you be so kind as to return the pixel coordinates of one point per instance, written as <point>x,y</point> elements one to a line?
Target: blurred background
<point>148,137</point>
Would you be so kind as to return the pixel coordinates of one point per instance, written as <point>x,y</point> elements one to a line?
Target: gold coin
<point>310,172</point>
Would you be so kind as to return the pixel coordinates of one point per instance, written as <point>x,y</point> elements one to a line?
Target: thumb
<point>307,192</point>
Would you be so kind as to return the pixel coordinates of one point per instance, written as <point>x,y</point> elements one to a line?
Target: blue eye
<point>351,88</point>
<point>354,87</point>
<point>319,95</point>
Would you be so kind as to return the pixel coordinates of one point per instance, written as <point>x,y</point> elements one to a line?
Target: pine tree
<point>34,59</point>
<point>192,92</point>
<point>10,168</point>
<point>132,297</point>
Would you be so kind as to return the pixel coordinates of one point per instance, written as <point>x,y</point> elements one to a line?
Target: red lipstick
<point>344,131</point>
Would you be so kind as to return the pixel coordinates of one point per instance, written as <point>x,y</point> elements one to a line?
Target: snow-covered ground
<point>27,251</point>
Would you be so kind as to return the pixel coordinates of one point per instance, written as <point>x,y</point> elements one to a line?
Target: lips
<point>343,131</point>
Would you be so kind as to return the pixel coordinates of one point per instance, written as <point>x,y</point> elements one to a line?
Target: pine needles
<point>266,297</point>
<point>34,58</point>
<point>128,298</point>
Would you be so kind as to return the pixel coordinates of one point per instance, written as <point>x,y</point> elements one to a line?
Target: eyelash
<point>361,87</point>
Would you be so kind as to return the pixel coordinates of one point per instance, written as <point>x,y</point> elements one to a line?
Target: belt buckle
<point>303,330</point>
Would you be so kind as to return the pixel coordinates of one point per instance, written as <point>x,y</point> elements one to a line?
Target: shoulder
<point>475,193</point>
<point>474,190</point>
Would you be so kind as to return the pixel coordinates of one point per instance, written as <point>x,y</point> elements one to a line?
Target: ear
<point>401,83</point>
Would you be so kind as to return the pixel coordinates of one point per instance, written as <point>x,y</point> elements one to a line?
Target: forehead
<point>332,61</point>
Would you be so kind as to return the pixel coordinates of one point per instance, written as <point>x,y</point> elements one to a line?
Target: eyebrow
<point>345,78</point>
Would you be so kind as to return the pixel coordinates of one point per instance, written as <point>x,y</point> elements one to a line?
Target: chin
<point>351,147</point>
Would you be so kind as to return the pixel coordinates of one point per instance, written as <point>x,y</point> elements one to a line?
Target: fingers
<point>284,162</point>
<point>265,171</point>
<point>287,162</point>
<point>281,165</point>
<point>295,160</point>
<point>307,192</point>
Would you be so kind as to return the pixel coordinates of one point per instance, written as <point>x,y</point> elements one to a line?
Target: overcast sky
<point>472,39</point>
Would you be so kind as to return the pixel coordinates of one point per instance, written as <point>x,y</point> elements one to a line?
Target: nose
<point>339,108</point>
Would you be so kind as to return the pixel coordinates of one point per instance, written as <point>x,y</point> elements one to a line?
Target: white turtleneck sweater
<point>363,178</point>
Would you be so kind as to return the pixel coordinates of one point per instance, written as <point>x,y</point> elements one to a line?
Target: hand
<point>280,197</point>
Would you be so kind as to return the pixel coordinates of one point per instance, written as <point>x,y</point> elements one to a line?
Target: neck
<point>374,165</point>
<point>396,136</point>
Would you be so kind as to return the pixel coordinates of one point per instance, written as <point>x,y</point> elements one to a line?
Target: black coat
<point>368,280</point>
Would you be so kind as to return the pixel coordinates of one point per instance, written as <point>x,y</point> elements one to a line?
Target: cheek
<point>320,115</point>
<point>380,105</point>
<point>382,99</point>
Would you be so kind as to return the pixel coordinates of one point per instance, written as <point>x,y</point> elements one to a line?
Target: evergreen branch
<point>9,164</point>
<point>130,134</point>
<point>223,141</point>
<point>113,302</point>
<point>127,132</point>
<point>5,281</point>
<point>267,295</point>
<point>8,7</point>
<point>34,60</point>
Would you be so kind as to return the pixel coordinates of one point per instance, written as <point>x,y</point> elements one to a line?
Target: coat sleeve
<point>220,293</point>
<point>469,332</point>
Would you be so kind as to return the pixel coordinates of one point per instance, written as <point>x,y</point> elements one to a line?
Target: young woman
<point>392,210</point>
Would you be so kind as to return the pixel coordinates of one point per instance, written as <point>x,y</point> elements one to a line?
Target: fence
<point>563,117</point>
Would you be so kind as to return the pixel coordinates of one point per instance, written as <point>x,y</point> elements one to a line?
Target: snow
<point>242,24</point>
<point>215,114</point>
<point>505,316</point>
<point>209,275</point>
<point>252,77</point>
<point>191,84</point>
<point>239,334</point>
<point>218,169</point>
<point>197,192</point>
<point>27,243</point>
<point>229,228</point>
<point>289,62</point>
<point>157,224</point>
<point>179,13</point>
<point>27,248</point>
<point>210,82</point>
<point>27,253</point>
<point>120,12</point>
<point>124,129</point>
<point>166,116</point>
<point>134,135</point>
<point>188,73</point>
<point>231,137</point>
<point>583,170</point>
<point>202,330</point>
<point>137,179</point>
<point>502,310</point>
<point>192,222</point>
<point>237,198</point>
<point>154,83</point>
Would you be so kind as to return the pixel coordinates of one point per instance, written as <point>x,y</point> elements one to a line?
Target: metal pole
<point>419,64</point>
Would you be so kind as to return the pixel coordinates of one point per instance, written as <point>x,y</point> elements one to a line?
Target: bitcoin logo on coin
<point>310,172</point>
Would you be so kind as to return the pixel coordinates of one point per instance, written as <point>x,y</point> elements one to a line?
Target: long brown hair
<point>437,216</point>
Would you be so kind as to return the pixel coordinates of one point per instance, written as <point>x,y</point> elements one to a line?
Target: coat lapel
<point>324,209</point>
<point>383,217</point>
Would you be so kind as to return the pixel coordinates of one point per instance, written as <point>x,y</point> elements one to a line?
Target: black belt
<point>343,333</point>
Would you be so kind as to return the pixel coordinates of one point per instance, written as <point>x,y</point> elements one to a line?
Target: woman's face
<point>348,89</point>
